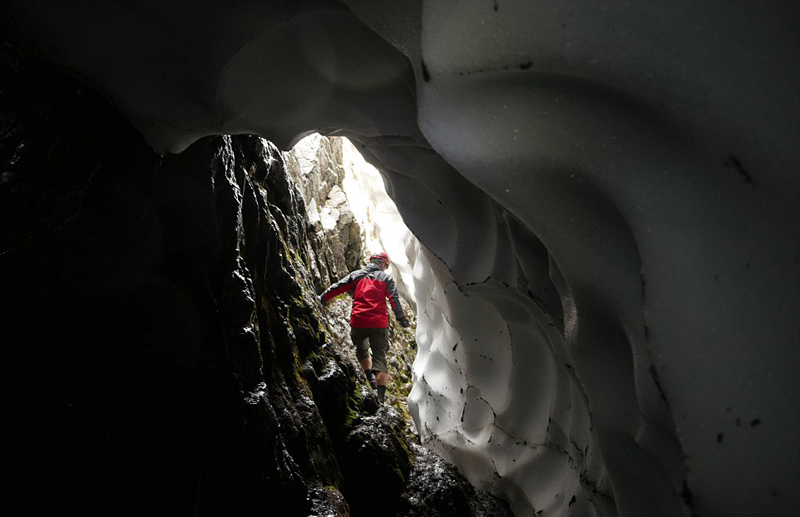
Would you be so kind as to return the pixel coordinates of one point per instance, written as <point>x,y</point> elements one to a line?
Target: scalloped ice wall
<point>606,191</point>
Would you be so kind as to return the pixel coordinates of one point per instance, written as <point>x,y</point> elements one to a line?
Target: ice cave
<point>604,250</point>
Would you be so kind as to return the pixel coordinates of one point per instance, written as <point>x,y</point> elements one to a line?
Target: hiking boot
<point>371,379</point>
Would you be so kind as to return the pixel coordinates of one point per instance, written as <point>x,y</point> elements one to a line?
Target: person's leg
<point>379,343</point>
<point>369,373</point>
<point>360,339</point>
<point>366,363</point>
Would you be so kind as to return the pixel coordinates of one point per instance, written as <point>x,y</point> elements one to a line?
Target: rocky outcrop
<point>334,234</point>
<point>165,352</point>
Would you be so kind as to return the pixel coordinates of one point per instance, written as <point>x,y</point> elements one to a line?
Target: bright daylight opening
<point>329,167</point>
<point>351,218</point>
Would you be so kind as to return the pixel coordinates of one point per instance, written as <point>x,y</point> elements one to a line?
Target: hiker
<point>369,319</point>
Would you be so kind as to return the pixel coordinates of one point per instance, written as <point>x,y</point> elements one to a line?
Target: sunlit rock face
<point>608,197</point>
<point>317,166</point>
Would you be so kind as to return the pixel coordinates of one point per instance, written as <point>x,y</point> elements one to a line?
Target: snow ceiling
<point>606,195</point>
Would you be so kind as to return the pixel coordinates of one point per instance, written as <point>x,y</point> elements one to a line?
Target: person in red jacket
<point>369,318</point>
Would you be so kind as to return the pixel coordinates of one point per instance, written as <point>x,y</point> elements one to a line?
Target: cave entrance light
<point>381,224</point>
<point>377,214</point>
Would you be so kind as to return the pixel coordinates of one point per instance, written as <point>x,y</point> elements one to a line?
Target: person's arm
<point>344,285</point>
<point>394,300</point>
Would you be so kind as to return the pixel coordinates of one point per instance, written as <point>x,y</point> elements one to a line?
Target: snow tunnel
<point>604,199</point>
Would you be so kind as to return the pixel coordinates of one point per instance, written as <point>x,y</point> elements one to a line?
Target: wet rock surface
<point>165,350</point>
<point>438,489</point>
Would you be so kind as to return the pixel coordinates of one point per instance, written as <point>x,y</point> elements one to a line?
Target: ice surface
<point>607,196</point>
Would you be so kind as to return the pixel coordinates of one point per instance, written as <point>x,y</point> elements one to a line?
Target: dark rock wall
<point>152,316</point>
<point>163,346</point>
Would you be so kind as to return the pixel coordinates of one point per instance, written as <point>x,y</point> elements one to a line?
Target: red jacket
<point>370,287</point>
